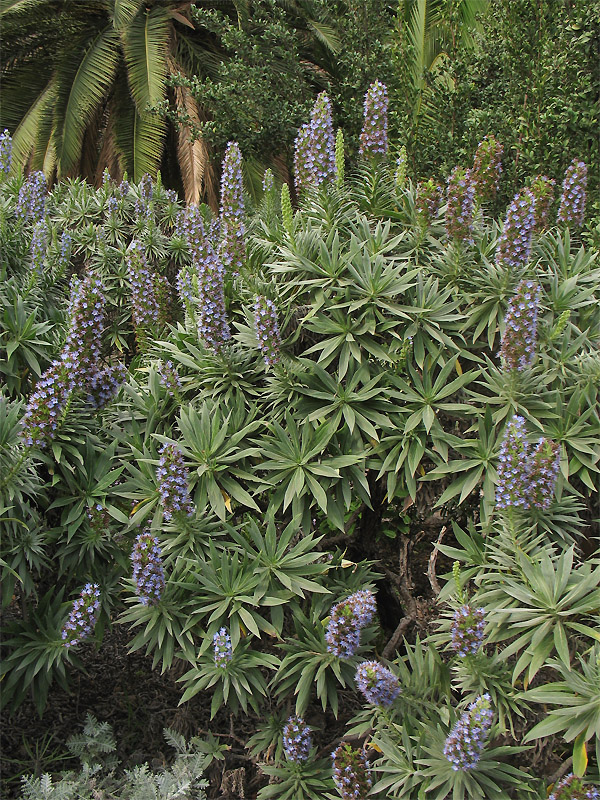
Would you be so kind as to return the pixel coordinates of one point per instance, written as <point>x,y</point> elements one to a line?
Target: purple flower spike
<point>232,248</point>
<point>5,153</point>
<point>466,741</point>
<point>514,243</point>
<point>517,350</point>
<point>428,201</point>
<point>314,160</point>
<point>514,467</point>
<point>467,630</point>
<point>83,616</point>
<point>223,651</point>
<point>47,404</point>
<point>173,482</point>
<point>346,621</point>
<point>487,169</point>
<point>377,683</point>
<point>572,200</point>
<point>39,244</point>
<point>544,466</point>
<point>461,205</point>
<point>267,329</point>
<point>31,203</point>
<point>351,773</point>
<point>148,573</point>
<point>572,788</point>
<point>169,378</point>
<point>144,305</point>
<point>297,740</point>
<point>542,189</point>
<point>374,137</point>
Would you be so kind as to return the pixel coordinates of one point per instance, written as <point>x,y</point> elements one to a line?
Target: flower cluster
<point>377,683</point>
<point>401,168</point>
<point>31,203</point>
<point>542,189</point>
<point>543,472</point>
<point>232,247</point>
<point>98,519</point>
<point>223,651</point>
<point>346,621</point>
<point>123,188</point>
<point>268,181</point>
<point>461,205</point>
<point>467,630</point>
<point>148,574</point>
<point>297,740</point>
<point>517,350</point>
<point>315,147</point>
<point>5,153</point>
<point>466,741</point>
<point>143,206</point>
<point>39,243</point>
<point>572,199</point>
<point>87,324</point>
<point>572,788</point>
<point>514,243</point>
<point>83,616</point>
<point>526,479</point>
<point>487,169</point>
<point>267,329</point>
<point>351,773</point>
<point>144,304</point>
<point>102,385</point>
<point>189,225</point>
<point>212,319</point>
<point>374,136</point>
<point>340,161</point>
<point>173,482</point>
<point>169,378</point>
<point>47,403</point>
<point>65,248</point>
<point>429,199</point>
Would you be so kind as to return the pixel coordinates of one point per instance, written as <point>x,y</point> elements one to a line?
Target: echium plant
<point>468,626</point>
<point>83,616</point>
<point>514,243</point>
<point>222,648</point>
<point>302,173</point>
<point>346,621</point>
<point>377,683</point>
<point>487,169</point>
<point>572,199</point>
<point>5,153</point>
<point>351,773</point>
<point>314,161</point>
<point>172,479</point>
<point>31,203</point>
<point>517,350</point>
<point>267,329</point>
<point>48,403</point>
<point>39,244</point>
<point>232,248</point>
<point>168,377</point>
<point>297,740</point>
<point>143,206</point>
<point>213,327</point>
<point>465,743</point>
<point>428,201</point>
<point>542,189</point>
<point>401,168</point>
<point>148,574</point>
<point>544,466</point>
<point>573,788</point>
<point>104,384</point>
<point>374,135</point>
<point>84,338</point>
<point>144,305</point>
<point>461,206</point>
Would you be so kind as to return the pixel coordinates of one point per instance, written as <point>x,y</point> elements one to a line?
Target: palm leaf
<point>138,139</point>
<point>326,34</point>
<point>193,157</point>
<point>25,137</point>
<point>17,6</point>
<point>145,45</point>
<point>90,85</point>
<point>125,12</point>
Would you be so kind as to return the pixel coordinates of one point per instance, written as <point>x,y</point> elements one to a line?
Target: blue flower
<point>464,745</point>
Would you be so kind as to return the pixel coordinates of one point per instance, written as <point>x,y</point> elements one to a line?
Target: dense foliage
<point>235,436</point>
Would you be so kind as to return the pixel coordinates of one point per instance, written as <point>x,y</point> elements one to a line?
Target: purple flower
<point>467,630</point>
<point>572,788</point>
<point>461,204</point>
<point>466,741</point>
<point>98,519</point>
<point>351,773</point>
<point>169,378</point>
<point>47,403</point>
<point>144,305</point>
<point>374,137</point>
<point>223,651</point>
<point>517,350</point>
<point>572,199</point>
<point>314,161</point>
<point>212,318</point>
<point>542,189</point>
<point>514,243</point>
<point>428,201</point>
<point>513,487</point>
<point>268,181</point>
<point>39,244</point>
<point>84,339</point>
<point>143,205</point>
<point>487,168</point>
<point>148,573</point>
<point>267,329</point>
<point>65,248</point>
<point>401,167</point>
<point>543,472</point>
<point>104,384</point>
<point>346,621</point>
<point>83,616</point>
<point>232,248</point>
<point>377,683</point>
<point>5,153</point>
<point>172,478</point>
<point>302,173</point>
<point>31,203</point>
<point>297,740</point>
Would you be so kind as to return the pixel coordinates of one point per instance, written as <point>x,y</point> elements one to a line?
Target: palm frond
<point>89,87</point>
<point>18,6</point>
<point>125,12</point>
<point>193,157</point>
<point>145,45</point>
<point>326,34</point>
<point>25,137</point>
